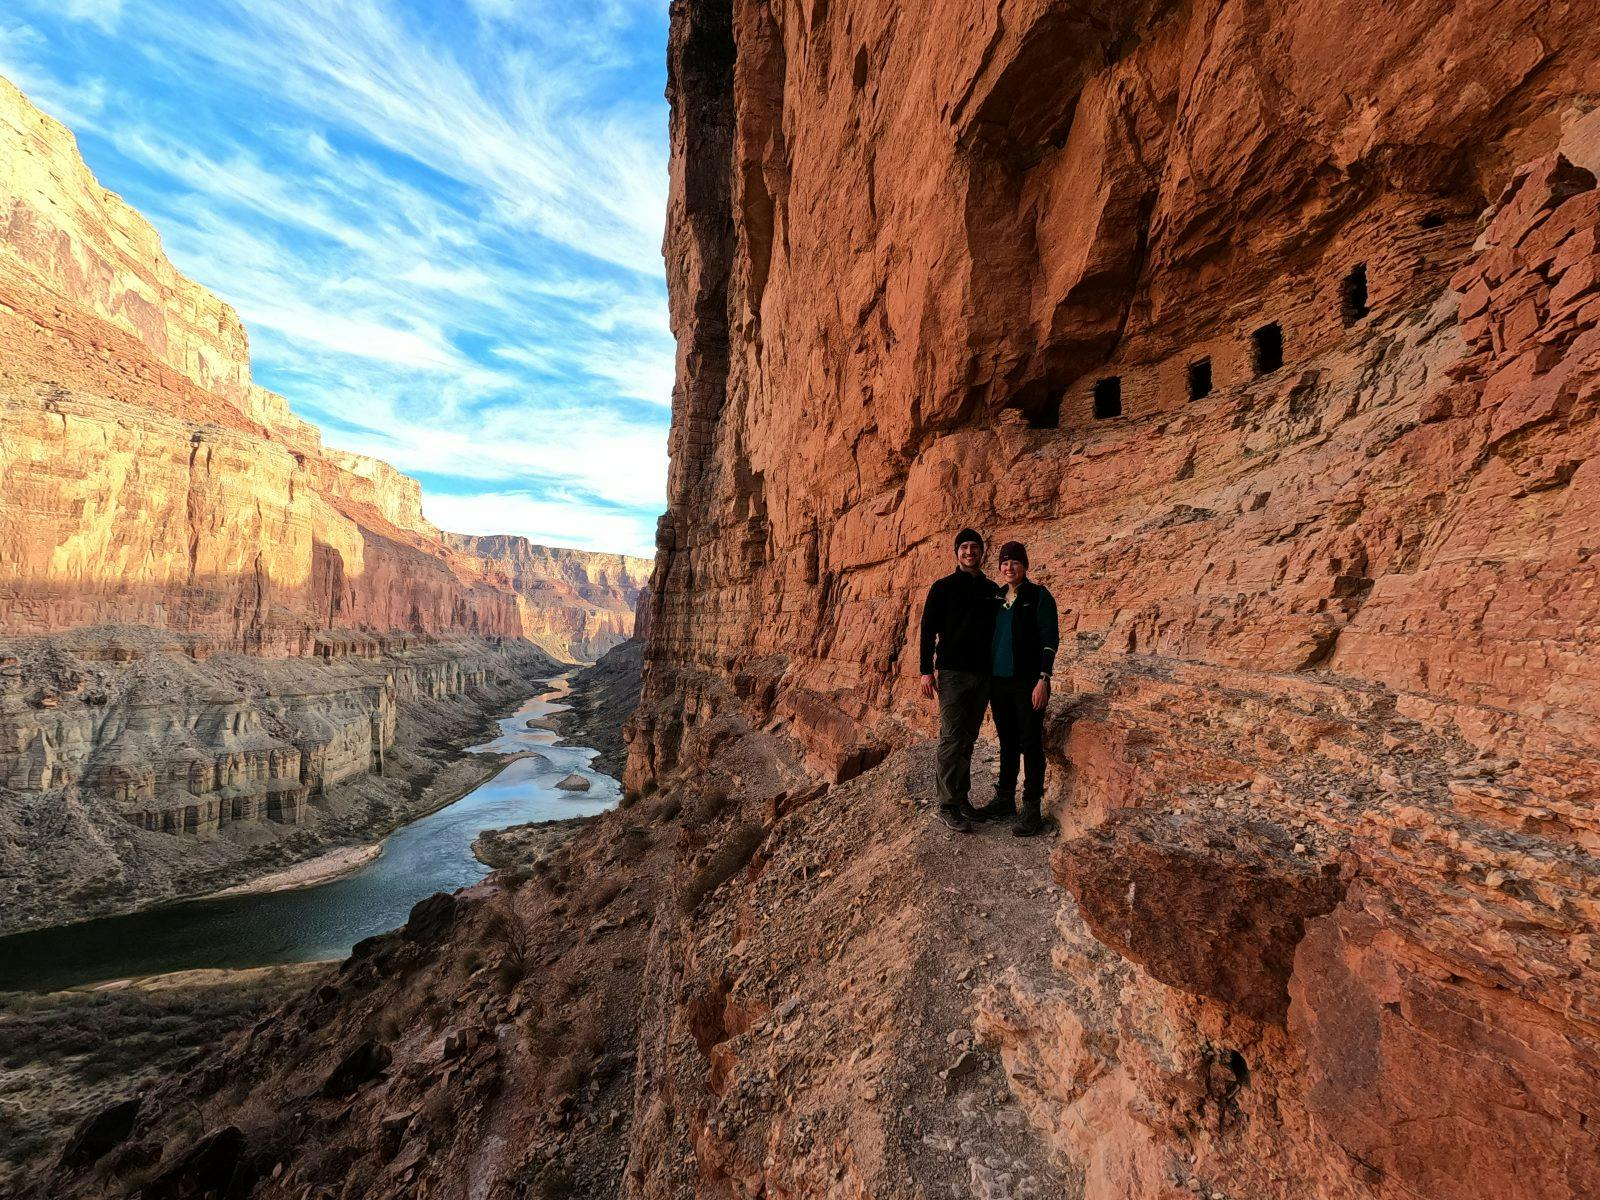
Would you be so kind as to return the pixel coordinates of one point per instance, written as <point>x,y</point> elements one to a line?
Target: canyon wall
<point>1274,331</point>
<point>575,603</point>
<point>148,480</point>
<point>132,772</point>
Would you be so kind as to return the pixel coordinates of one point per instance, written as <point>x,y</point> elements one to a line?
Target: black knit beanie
<point>968,535</point>
<point>1014,550</point>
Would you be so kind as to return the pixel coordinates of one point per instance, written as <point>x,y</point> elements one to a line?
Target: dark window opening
<point>1353,295</point>
<point>1266,346</point>
<point>1200,379</point>
<point>1431,221</point>
<point>1108,398</point>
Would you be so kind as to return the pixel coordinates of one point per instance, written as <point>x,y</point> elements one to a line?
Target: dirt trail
<point>834,1049</point>
<point>992,913</point>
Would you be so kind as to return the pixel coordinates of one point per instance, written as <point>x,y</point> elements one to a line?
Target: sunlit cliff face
<point>1275,358</point>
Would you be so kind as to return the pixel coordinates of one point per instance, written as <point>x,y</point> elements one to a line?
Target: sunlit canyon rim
<point>208,619</point>
<point>1274,330</point>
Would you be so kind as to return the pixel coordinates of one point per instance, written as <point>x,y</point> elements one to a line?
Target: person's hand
<point>930,686</point>
<point>1041,695</point>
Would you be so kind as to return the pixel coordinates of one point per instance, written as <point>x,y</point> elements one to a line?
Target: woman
<point>1026,634</point>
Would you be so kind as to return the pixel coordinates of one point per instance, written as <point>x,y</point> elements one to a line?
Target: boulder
<point>361,1066</point>
<point>430,918</point>
<point>1210,905</point>
<point>99,1133</point>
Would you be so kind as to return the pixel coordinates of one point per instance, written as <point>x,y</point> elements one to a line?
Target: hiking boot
<point>969,814</point>
<point>950,814</point>
<point>997,809</point>
<point>1029,823</point>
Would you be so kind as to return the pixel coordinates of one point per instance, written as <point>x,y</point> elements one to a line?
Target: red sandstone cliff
<point>575,603</point>
<point>1324,730</point>
<point>149,481</point>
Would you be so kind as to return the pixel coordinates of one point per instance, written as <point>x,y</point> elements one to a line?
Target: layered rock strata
<point>577,604</point>
<point>149,775</point>
<point>1279,351</point>
<point>148,479</point>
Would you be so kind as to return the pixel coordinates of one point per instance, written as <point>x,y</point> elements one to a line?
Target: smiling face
<point>1012,571</point>
<point>969,556</point>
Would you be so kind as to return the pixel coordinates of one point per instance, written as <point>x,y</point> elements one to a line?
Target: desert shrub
<point>602,894</point>
<point>508,933</point>
<point>631,843</point>
<point>712,804</point>
<point>668,810</point>
<point>730,858</point>
<point>637,834</point>
<point>17,1148</point>
<point>507,974</point>
<point>514,877</point>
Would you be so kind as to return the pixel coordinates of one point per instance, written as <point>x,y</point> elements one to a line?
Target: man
<point>1026,634</point>
<point>957,643</point>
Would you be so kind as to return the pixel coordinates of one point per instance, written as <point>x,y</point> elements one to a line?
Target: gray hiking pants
<point>963,696</point>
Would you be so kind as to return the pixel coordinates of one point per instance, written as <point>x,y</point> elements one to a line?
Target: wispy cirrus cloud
<point>441,228</point>
<point>104,13</point>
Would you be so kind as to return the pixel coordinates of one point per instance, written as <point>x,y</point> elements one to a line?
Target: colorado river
<point>432,854</point>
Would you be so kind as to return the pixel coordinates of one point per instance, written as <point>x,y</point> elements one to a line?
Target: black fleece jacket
<point>958,624</point>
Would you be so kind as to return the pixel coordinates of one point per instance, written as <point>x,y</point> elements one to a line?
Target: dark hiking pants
<point>1020,728</point>
<point>963,695</point>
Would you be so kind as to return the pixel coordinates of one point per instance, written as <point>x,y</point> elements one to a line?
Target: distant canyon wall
<point>1274,331</point>
<point>577,603</point>
<point>132,772</point>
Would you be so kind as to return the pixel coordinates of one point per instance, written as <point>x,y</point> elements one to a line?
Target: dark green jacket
<point>1035,629</point>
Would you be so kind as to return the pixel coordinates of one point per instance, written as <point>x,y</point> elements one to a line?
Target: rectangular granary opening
<point>1199,378</point>
<point>1266,348</point>
<point>1353,295</point>
<point>1108,398</point>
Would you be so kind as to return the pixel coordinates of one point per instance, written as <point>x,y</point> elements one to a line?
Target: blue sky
<point>440,221</point>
